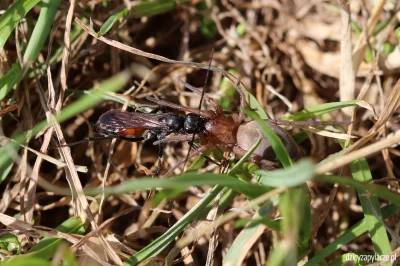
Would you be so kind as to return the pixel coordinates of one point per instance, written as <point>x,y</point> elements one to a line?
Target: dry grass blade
<point>79,168</point>
<point>361,46</point>
<point>212,246</point>
<point>391,106</point>
<point>99,229</point>
<point>358,154</point>
<point>327,133</point>
<point>82,205</point>
<point>347,76</point>
<point>15,224</point>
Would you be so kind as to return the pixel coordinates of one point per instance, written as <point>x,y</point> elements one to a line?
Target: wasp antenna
<point>85,140</point>
<point>207,75</point>
<point>72,143</point>
<point>201,101</point>
<point>68,144</point>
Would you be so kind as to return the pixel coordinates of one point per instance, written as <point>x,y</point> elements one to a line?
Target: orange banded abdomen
<point>131,131</point>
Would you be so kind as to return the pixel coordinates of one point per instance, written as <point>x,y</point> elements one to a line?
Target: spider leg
<point>199,91</point>
<point>243,102</point>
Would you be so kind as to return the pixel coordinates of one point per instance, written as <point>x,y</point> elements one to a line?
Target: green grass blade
<point>142,9</point>
<point>275,225</point>
<point>352,233</point>
<point>24,261</point>
<point>371,208</point>
<point>12,16</point>
<point>295,227</point>
<point>56,57</point>
<point>10,243</point>
<point>238,166</point>
<point>48,245</point>
<point>69,259</point>
<point>111,21</point>
<point>234,256</point>
<point>207,25</point>
<point>293,176</point>
<point>7,82</point>
<point>42,28</point>
<point>152,8</point>
<point>7,161</point>
<point>36,42</point>
<point>275,141</point>
<point>380,191</point>
<point>181,182</point>
<point>108,97</point>
<point>320,110</point>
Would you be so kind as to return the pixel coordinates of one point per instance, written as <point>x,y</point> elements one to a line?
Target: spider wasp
<point>213,128</point>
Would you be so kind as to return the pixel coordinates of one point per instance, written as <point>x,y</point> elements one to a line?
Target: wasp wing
<point>116,121</point>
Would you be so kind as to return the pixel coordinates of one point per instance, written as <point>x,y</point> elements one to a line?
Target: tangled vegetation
<point>64,63</point>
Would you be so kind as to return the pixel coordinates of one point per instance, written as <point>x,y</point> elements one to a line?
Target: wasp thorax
<point>174,122</point>
<point>193,124</point>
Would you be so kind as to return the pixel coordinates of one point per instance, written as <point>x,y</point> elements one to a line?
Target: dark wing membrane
<point>115,121</point>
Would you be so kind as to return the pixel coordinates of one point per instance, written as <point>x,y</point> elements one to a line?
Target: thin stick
<point>309,123</point>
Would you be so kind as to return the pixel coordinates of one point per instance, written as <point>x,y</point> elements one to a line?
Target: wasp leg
<point>159,159</point>
<point>196,147</point>
<point>181,108</point>
<point>160,149</point>
<point>177,138</point>
<point>190,155</point>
